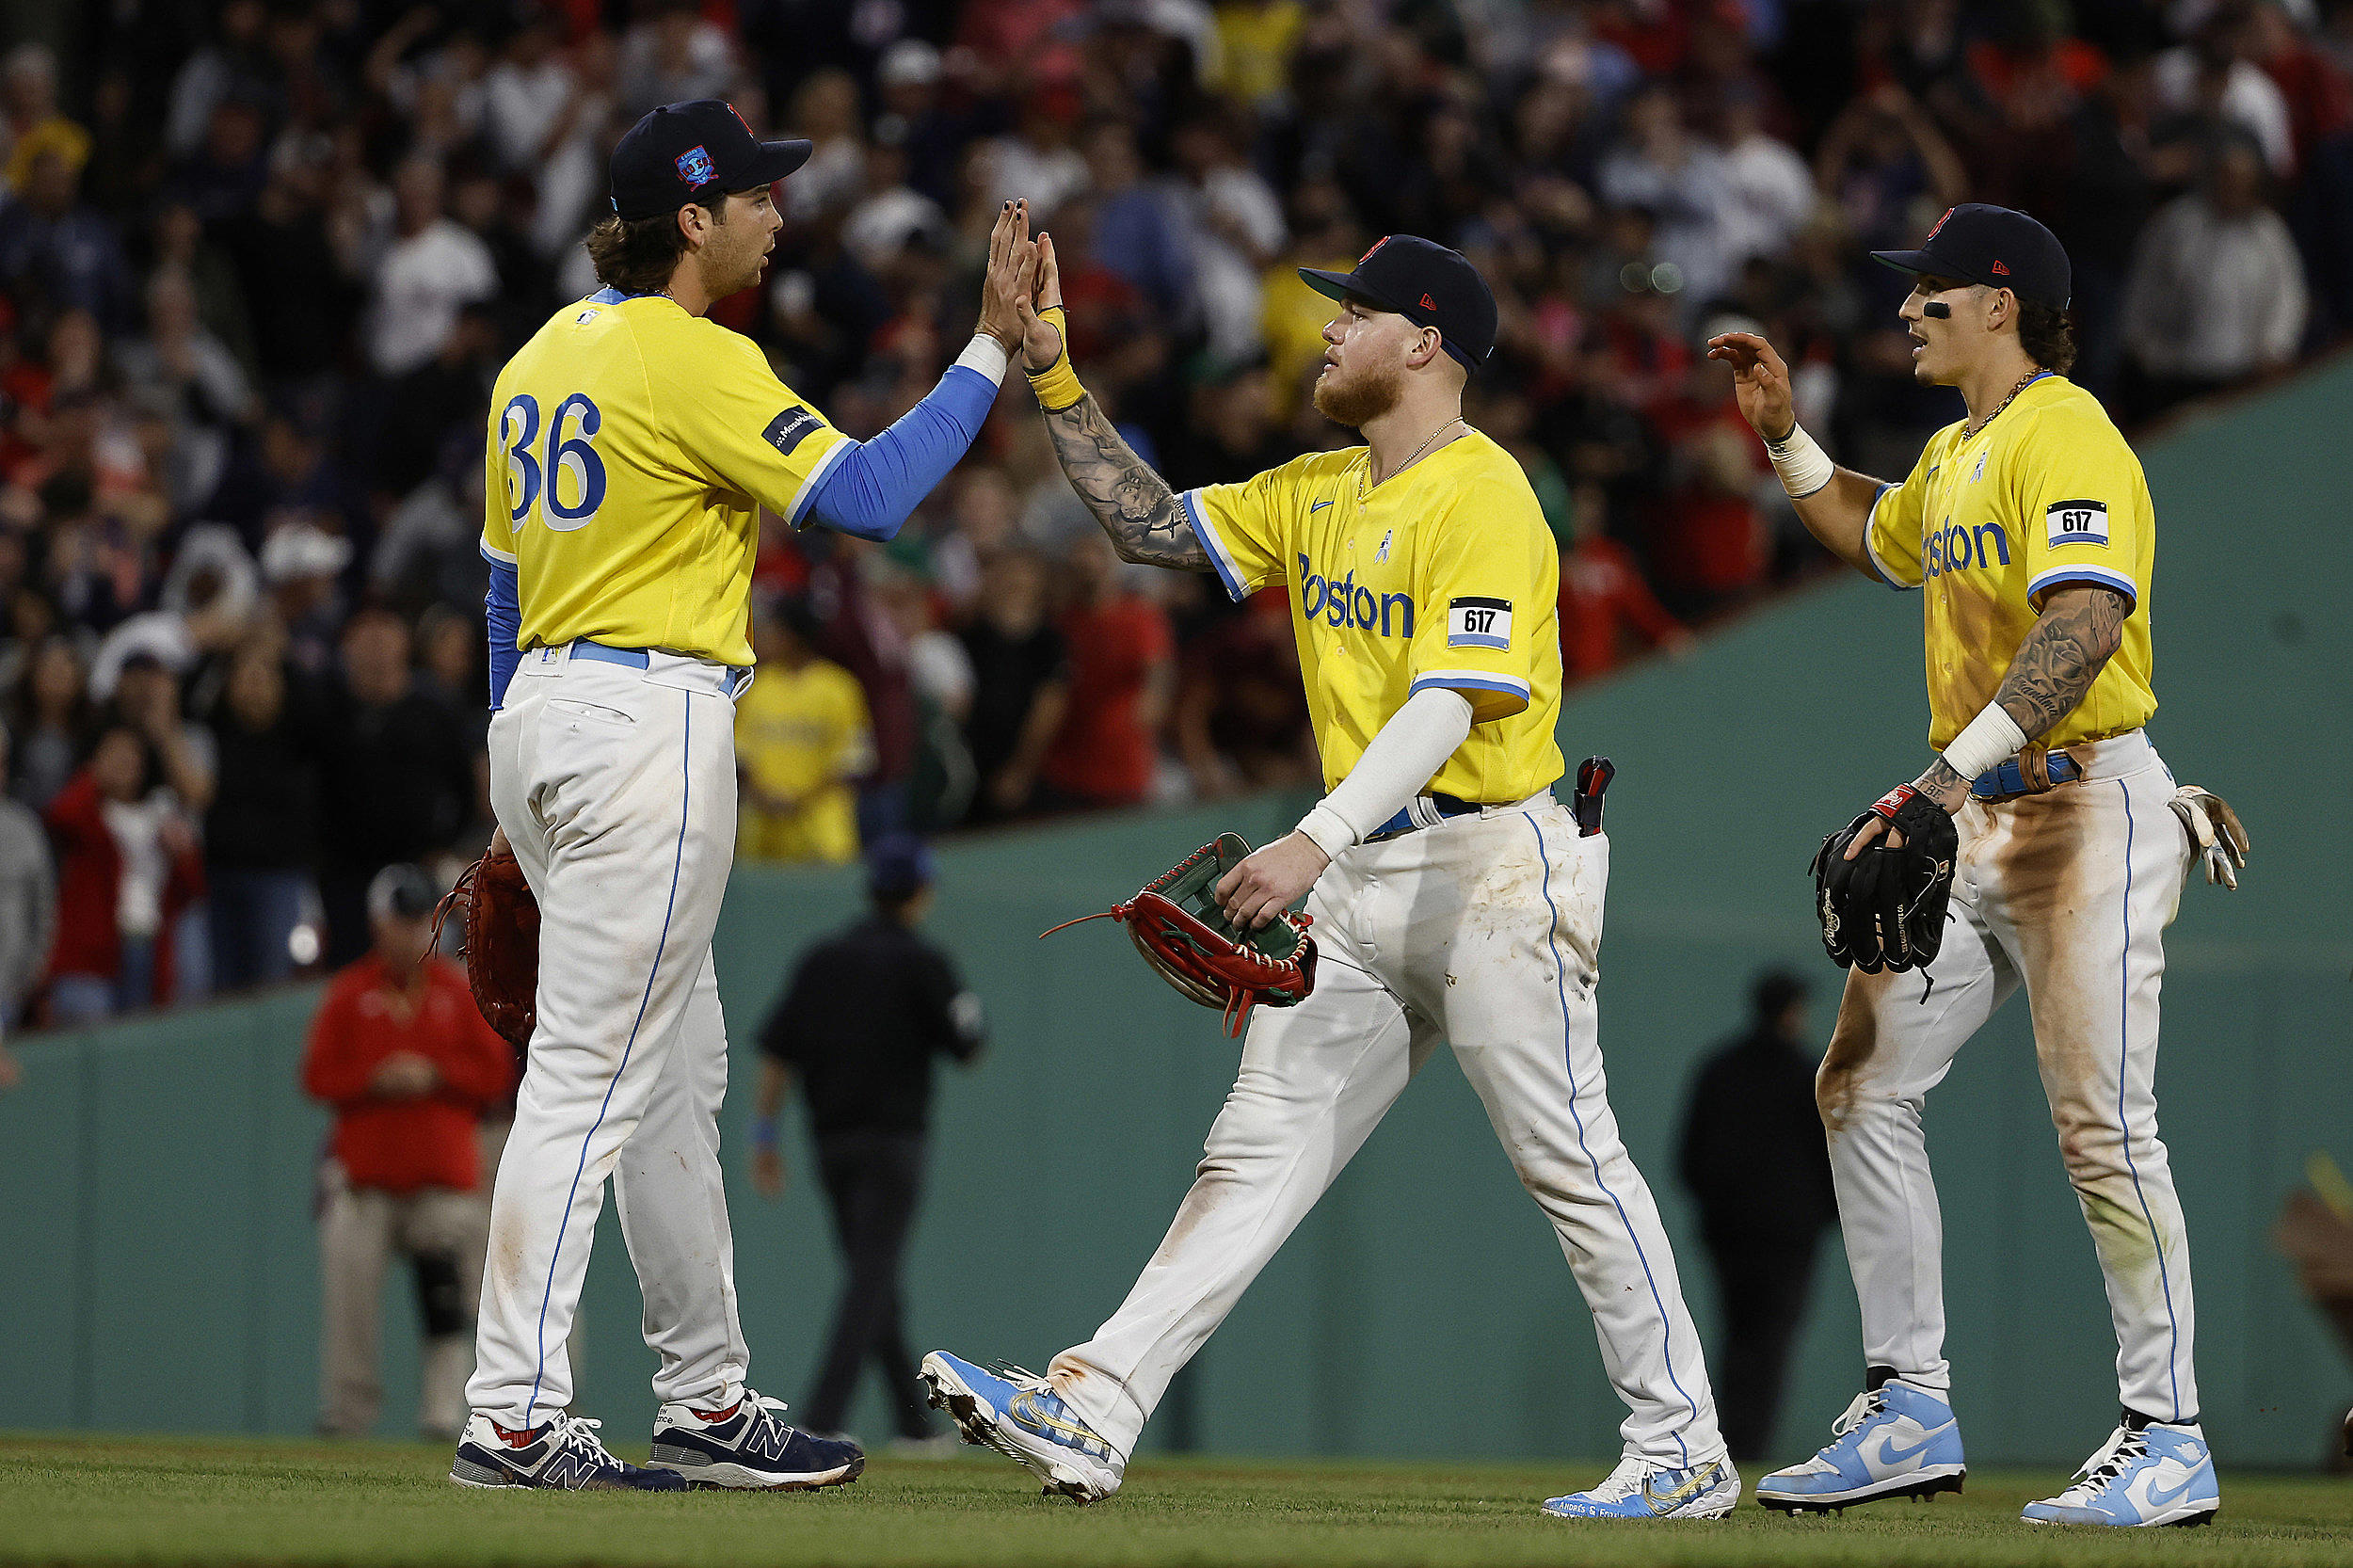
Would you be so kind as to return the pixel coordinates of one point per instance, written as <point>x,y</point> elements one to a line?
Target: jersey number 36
<point>569,477</point>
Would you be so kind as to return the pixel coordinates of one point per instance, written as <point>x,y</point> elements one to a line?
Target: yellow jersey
<point>1442,575</point>
<point>2045,495</point>
<point>630,447</point>
<point>803,733</point>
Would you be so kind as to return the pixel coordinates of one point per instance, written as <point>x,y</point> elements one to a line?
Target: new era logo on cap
<point>1428,303</point>
<point>1999,270</point>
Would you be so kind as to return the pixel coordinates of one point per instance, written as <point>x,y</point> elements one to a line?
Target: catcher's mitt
<point>1177,926</point>
<point>501,942</point>
<point>1885,908</point>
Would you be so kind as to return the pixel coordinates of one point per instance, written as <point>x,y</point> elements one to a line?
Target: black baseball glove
<point>1884,909</point>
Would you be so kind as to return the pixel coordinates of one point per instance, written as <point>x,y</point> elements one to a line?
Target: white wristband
<point>1991,737</point>
<point>1801,463</point>
<point>987,355</point>
<point>1331,831</point>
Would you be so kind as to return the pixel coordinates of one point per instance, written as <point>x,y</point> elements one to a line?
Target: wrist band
<point>987,355</point>
<point>1057,385</point>
<point>1329,830</point>
<point>763,1132</point>
<point>1991,737</point>
<point>1802,465</point>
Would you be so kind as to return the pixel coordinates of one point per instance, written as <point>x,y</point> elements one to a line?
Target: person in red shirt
<point>1603,596</point>
<point>401,1054</point>
<point>1122,671</point>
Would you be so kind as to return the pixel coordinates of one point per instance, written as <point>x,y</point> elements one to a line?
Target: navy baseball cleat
<point>1895,1441</point>
<point>2155,1475</point>
<point>563,1455</point>
<point>1642,1488</point>
<point>746,1447</point>
<point>1018,1413</point>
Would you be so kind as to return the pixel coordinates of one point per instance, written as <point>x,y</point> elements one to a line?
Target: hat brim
<point>778,159</point>
<point>1345,287</point>
<point>1915,262</point>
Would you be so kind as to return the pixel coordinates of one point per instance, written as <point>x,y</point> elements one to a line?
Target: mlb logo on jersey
<point>2075,523</point>
<point>696,167</point>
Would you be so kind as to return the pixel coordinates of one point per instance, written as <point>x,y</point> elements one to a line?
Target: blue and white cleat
<point>1642,1488</point>
<point>1018,1413</point>
<point>563,1455</point>
<point>1895,1441</point>
<point>2159,1475</point>
<point>747,1448</point>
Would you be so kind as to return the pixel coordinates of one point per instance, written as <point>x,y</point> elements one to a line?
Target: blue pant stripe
<point>1561,985</point>
<point>677,861</point>
<point>2123,1063</point>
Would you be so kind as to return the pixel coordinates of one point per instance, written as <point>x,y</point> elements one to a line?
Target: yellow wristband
<point>1057,385</point>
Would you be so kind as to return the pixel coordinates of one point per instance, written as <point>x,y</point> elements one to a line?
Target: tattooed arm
<point>1134,505</point>
<point>2079,631</point>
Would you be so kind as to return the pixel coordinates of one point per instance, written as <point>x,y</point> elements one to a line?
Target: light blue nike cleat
<point>1642,1488</point>
<point>1895,1441</point>
<point>1018,1413</point>
<point>2160,1475</point>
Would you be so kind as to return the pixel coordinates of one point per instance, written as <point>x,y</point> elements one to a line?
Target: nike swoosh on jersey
<point>1319,507</point>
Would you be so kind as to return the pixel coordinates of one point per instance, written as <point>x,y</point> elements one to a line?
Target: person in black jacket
<point>1756,1161</point>
<point>868,1010</point>
<point>260,831</point>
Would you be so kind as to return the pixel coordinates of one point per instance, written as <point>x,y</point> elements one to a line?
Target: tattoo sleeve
<point>2080,630</point>
<point>1134,505</point>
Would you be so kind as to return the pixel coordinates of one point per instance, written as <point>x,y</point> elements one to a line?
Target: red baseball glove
<point>501,942</point>
<point>1177,926</point>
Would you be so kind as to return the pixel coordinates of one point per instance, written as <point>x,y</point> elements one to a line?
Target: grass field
<point>76,1498</point>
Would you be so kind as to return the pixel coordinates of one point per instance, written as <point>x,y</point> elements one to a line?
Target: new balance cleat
<point>1642,1488</point>
<point>1895,1441</point>
<point>2159,1475</point>
<point>1017,1414</point>
<point>563,1455</point>
<point>746,1447</point>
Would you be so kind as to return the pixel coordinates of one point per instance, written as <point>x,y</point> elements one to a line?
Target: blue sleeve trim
<point>1213,546</point>
<point>502,608</point>
<point>2100,577</point>
<point>871,487</point>
<point>1454,680</point>
<point>1870,552</point>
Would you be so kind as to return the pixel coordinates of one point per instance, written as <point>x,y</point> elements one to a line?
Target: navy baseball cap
<point>1426,283</point>
<point>1994,246</point>
<point>696,152</point>
<point>898,864</point>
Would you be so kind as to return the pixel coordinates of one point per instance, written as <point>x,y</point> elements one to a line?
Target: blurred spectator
<point>396,775</point>
<point>51,722</point>
<point>2217,292</point>
<point>402,1056</point>
<point>56,252</point>
<point>1020,683</point>
<point>801,736</point>
<point>1241,714</point>
<point>30,125</point>
<point>28,905</point>
<point>261,836</point>
<point>127,865</point>
<point>1605,602</point>
<point>2211,76</point>
<point>1123,672</point>
<point>432,269</point>
<point>865,1014</point>
<point>1756,1161</point>
<point>1139,225</point>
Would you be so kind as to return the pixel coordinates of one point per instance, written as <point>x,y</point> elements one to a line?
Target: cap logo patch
<point>1376,245</point>
<point>696,167</point>
<point>2000,271</point>
<point>1428,303</point>
<point>1940,223</point>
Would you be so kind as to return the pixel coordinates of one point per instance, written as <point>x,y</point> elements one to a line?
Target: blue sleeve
<point>503,608</point>
<point>874,487</point>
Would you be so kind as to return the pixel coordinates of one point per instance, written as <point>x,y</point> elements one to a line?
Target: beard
<point>1364,397</point>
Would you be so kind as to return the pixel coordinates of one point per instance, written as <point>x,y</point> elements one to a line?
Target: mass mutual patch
<point>789,428</point>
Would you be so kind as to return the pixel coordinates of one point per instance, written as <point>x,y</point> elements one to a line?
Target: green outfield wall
<point>158,1259</point>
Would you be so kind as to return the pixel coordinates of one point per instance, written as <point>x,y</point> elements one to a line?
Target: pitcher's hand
<point>1041,340</point>
<point>1012,259</point>
<point>1759,380</point>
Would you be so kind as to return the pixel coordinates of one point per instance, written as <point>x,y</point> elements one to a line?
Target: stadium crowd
<point>261,259</point>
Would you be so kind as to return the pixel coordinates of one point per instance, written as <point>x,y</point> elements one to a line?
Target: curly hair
<point>637,255</point>
<point>2048,336</point>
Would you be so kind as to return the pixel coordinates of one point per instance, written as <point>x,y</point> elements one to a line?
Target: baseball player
<point>1454,898</point>
<point>632,444</point>
<point>2029,526</point>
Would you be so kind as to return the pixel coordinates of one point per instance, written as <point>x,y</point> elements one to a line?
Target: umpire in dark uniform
<point>1756,1161</point>
<point>868,1011</point>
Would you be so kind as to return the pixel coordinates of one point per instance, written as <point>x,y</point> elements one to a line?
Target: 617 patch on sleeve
<point>2066,522</point>
<point>1479,623</point>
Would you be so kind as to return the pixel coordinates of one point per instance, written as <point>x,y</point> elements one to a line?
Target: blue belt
<point>1446,805</point>
<point>637,659</point>
<point>2007,780</point>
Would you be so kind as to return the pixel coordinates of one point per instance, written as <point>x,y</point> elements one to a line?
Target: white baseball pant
<point>2069,892</point>
<point>617,788</point>
<point>1485,932</point>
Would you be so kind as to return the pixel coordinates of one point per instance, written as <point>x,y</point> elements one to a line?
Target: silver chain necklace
<point>1971,432</point>
<point>1412,460</point>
